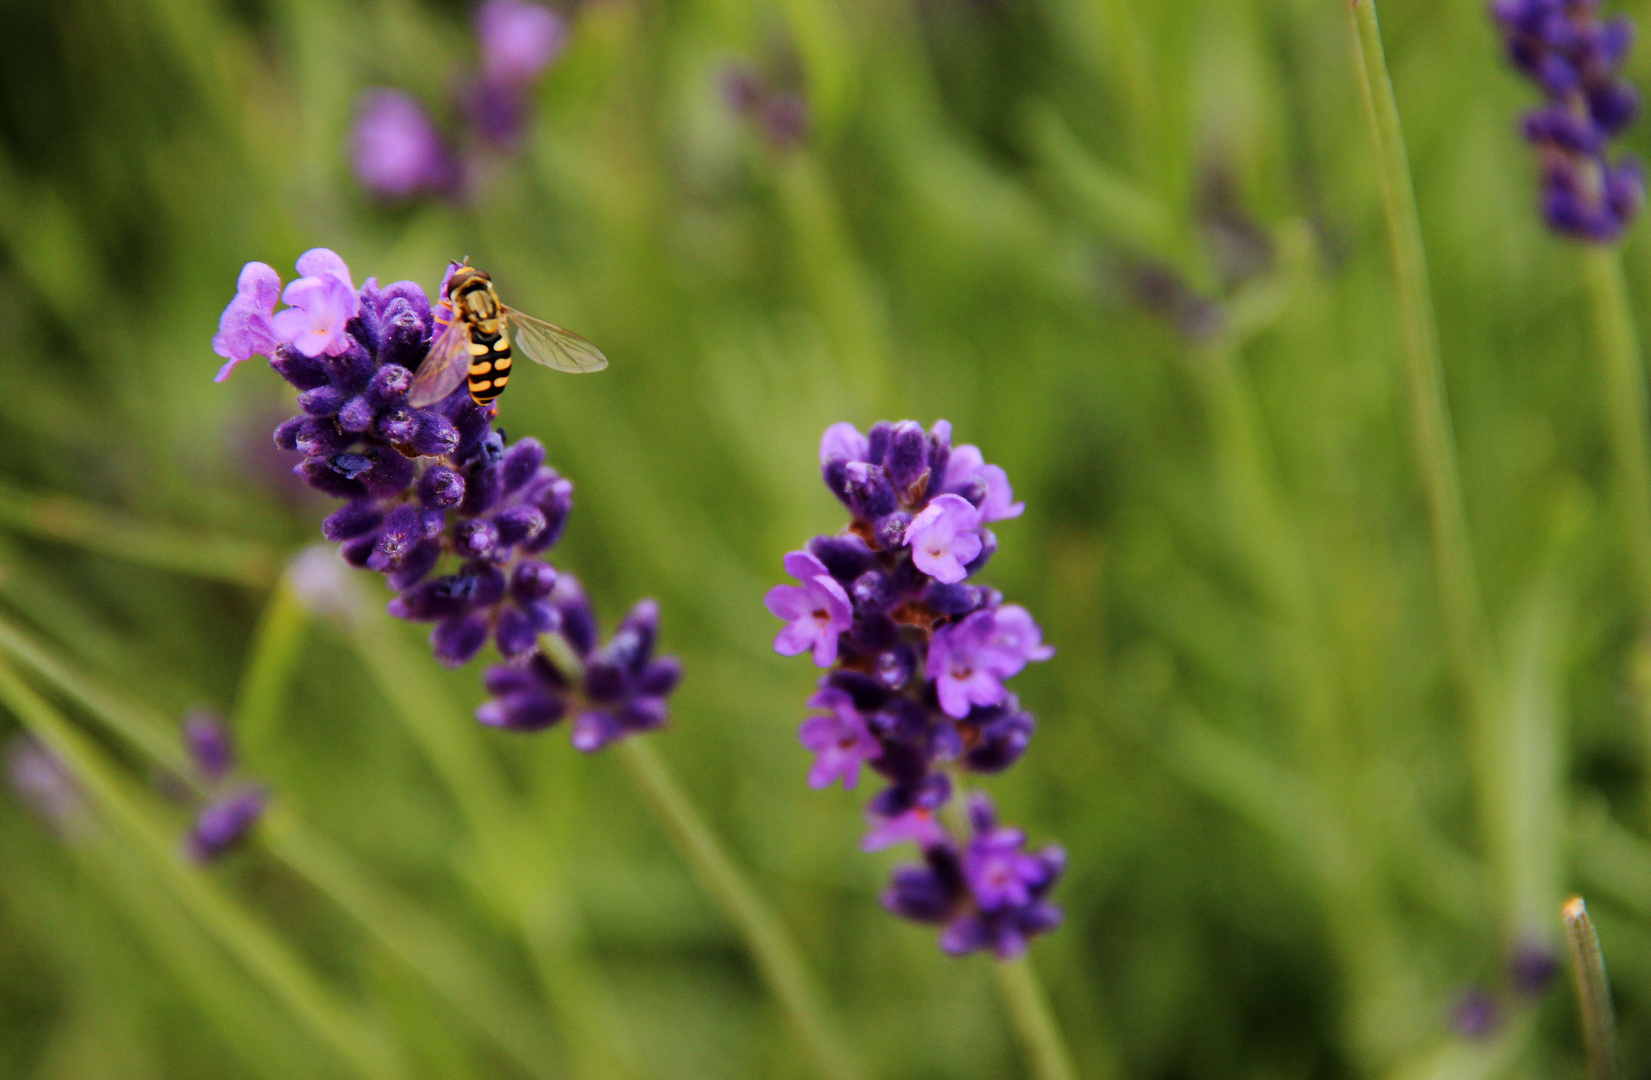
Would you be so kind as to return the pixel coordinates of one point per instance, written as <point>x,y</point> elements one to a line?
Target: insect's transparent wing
<point>543,343</point>
<point>444,367</point>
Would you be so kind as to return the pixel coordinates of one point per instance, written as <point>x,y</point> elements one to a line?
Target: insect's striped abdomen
<point>489,366</point>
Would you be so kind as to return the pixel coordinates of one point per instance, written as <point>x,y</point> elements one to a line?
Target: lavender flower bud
<point>222,825</point>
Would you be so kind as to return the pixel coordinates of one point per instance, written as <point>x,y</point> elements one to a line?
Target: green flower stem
<point>777,957</point>
<point>1022,991</point>
<point>272,660</point>
<point>525,897</point>
<point>155,739</point>
<point>1457,579</point>
<point>263,955</point>
<point>404,930</point>
<point>253,1025</point>
<point>1623,395</point>
<point>419,941</point>
<point>836,281</point>
<point>60,517</point>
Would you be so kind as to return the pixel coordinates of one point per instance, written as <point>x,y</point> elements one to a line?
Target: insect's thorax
<point>477,304</point>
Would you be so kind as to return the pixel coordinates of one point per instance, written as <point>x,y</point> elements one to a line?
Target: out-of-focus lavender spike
<point>1574,58</point>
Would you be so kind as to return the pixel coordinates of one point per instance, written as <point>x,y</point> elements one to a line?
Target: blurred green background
<point>1133,249</point>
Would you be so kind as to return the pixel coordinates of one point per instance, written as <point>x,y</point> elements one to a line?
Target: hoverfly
<point>474,344</point>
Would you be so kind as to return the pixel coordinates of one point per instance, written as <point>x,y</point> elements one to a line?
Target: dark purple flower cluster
<point>397,148</point>
<point>1564,48</point>
<point>918,661</point>
<point>231,809</point>
<point>456,519</point>
<point>612,691</point>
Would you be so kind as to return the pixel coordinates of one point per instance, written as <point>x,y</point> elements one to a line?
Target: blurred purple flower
<point>838,740</point>
<point>396,149</point>
<point>518,40</point>
<point>1563,47</point>
<point>42,783</point>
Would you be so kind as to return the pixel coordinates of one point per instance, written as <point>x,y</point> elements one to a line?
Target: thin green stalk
<point>272,660</point>
<point>417,940</point>
<point>1457,579</point>
<point>263,954</point>
<point>1028,1006</point>
<point>60,517</point>
<point>403,929</point>
<point>778,959</point>
<point>477,785</point>
<point>1593,991</point>
<point>1624,397</point>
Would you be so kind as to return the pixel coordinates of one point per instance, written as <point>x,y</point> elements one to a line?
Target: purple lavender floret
<point>918,660</point>
<point>223,823</point>
<point>1574,57</point>
<point>612,691</point>
<point>988,894</point>
<point>456,518</point>
<point>230,809</point>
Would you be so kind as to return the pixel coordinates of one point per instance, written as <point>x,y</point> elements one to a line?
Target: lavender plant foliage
<point>435,499</point>
<point>397,148</point>
<point>229,808</point>
<point>1574,57</point>
<point>917,661</point>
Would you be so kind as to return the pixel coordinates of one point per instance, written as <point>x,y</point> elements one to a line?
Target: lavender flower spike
<point>918,661</point>
<point>1573,57</point>
<point>456,519</point>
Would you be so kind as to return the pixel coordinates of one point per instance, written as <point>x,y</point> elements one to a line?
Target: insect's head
<point>465,276</point>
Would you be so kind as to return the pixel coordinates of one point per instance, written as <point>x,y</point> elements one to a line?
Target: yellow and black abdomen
<point>489,366</point>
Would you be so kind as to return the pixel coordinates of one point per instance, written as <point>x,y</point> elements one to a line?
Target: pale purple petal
<point>321,306</point>
<point>1000,497</point>
<point>944,538</point>
<point>324,262</point>
<point>246,329</point>
<point>799,637</point>
<point>804,567</point>
<point>845,441</point>
<point>1014,640</point>
<point>786,601</point>
<point>917,825</point>
<point>966,464</point>
<point>518,40</point>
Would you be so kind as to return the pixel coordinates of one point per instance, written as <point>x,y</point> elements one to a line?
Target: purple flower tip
<point>208,742</point>
<point>224,823</point>
<point>1476,1015</point>
<point>518,40</point>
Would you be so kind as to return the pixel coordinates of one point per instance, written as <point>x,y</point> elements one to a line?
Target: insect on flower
<point>475,345</point>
